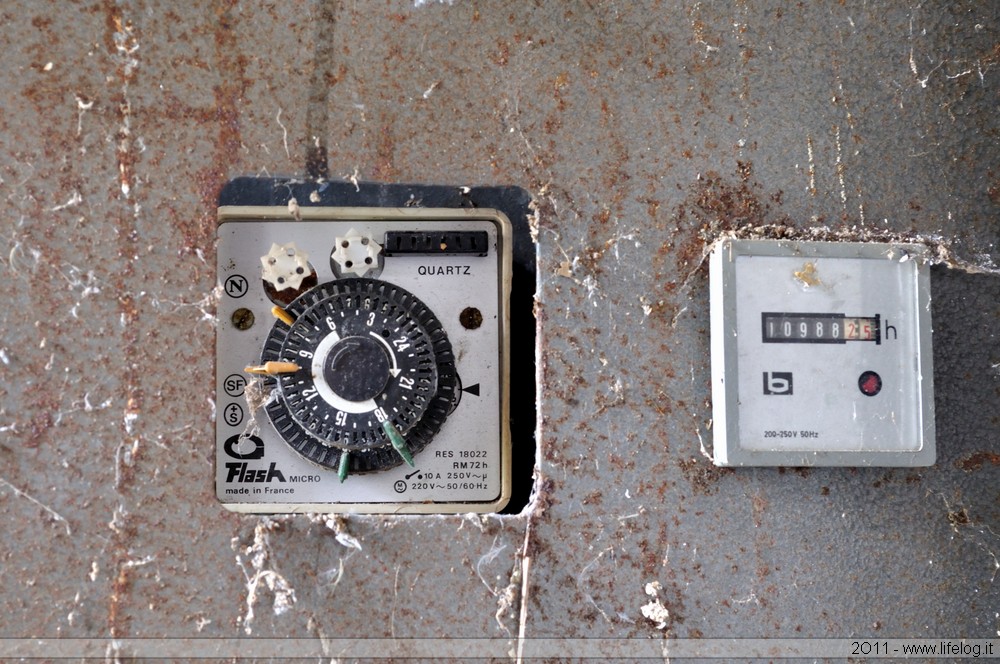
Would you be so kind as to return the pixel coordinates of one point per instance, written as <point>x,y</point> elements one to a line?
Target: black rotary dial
<point>375,379</point>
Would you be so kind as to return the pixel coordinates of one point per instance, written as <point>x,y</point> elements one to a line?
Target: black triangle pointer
<point>472,389</point>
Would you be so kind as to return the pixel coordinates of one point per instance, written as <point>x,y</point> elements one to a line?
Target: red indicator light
<point>870,383</point>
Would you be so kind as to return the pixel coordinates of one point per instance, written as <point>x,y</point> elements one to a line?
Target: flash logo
<point>777,382</point>
<point>240,473</point>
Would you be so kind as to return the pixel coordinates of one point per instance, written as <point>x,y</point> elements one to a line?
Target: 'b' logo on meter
<point>777,382</point>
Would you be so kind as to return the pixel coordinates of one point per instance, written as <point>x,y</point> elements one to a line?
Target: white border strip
<point>533,648</point>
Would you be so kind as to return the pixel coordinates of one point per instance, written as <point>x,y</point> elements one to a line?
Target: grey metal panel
<point>643,130</point>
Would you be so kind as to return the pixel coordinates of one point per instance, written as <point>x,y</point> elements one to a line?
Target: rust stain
<point>702,475</point>
<point>959,517</point>
<point>38,429</point>
<point>744,169</point>
<point>758,505</point>
<point>502,54</point>
<point>198,231</point>
<point>121,39</point>
<point>544,490</point>
<point>118,621</point>
<point>993,191</point>
<point>978,460</point>
<point>385,150</point>
<point>713,205</point>
<point>723,205</point>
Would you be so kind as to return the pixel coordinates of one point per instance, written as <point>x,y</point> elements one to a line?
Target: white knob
<point>285,266</point>
<point>356,253</point>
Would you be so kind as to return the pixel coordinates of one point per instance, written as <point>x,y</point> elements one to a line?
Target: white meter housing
<point>821,354</point>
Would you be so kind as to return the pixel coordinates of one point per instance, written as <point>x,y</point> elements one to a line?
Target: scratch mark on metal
<point>51,512</point>
<point>395,596</point>
<point>581,578</point>
<point>126,45</point>
<point>75,199</point>
<point>82,106</point>
<point>429,91</point>
<point>284,133</point>
<point>840,167</point>
<point>812,165</point>
<point>913,62</point>
<point>702,449</point>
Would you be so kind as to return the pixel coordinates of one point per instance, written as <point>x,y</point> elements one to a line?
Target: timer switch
<point>364,388</point>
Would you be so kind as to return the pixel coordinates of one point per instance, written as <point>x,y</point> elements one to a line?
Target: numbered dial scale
<point>374,366</point>
<point>362,360</point>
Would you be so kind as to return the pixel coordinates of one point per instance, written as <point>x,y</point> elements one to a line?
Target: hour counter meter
<point>821,354</point>
<point>362,356</point>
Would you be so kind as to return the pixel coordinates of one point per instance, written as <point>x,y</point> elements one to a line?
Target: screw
<point>471,318</point>
<point>242,319</point>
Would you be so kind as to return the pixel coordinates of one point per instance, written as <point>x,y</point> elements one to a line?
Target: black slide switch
<point>424,243</point>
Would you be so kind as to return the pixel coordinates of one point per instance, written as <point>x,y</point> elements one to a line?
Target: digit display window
<point>818,328</point>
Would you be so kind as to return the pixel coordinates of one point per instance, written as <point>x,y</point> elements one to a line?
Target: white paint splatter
<point>129,421</point>
<point>284,133</point>
<point>353,179</point>
<point>75,199</point>
<point>348,540</point>
<point>258,555</point>
<point>655,611</point>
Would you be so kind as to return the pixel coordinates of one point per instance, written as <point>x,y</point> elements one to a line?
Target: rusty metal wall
<point>643,130</point>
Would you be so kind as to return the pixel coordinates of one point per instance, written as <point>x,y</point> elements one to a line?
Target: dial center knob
<point>356,368</point>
